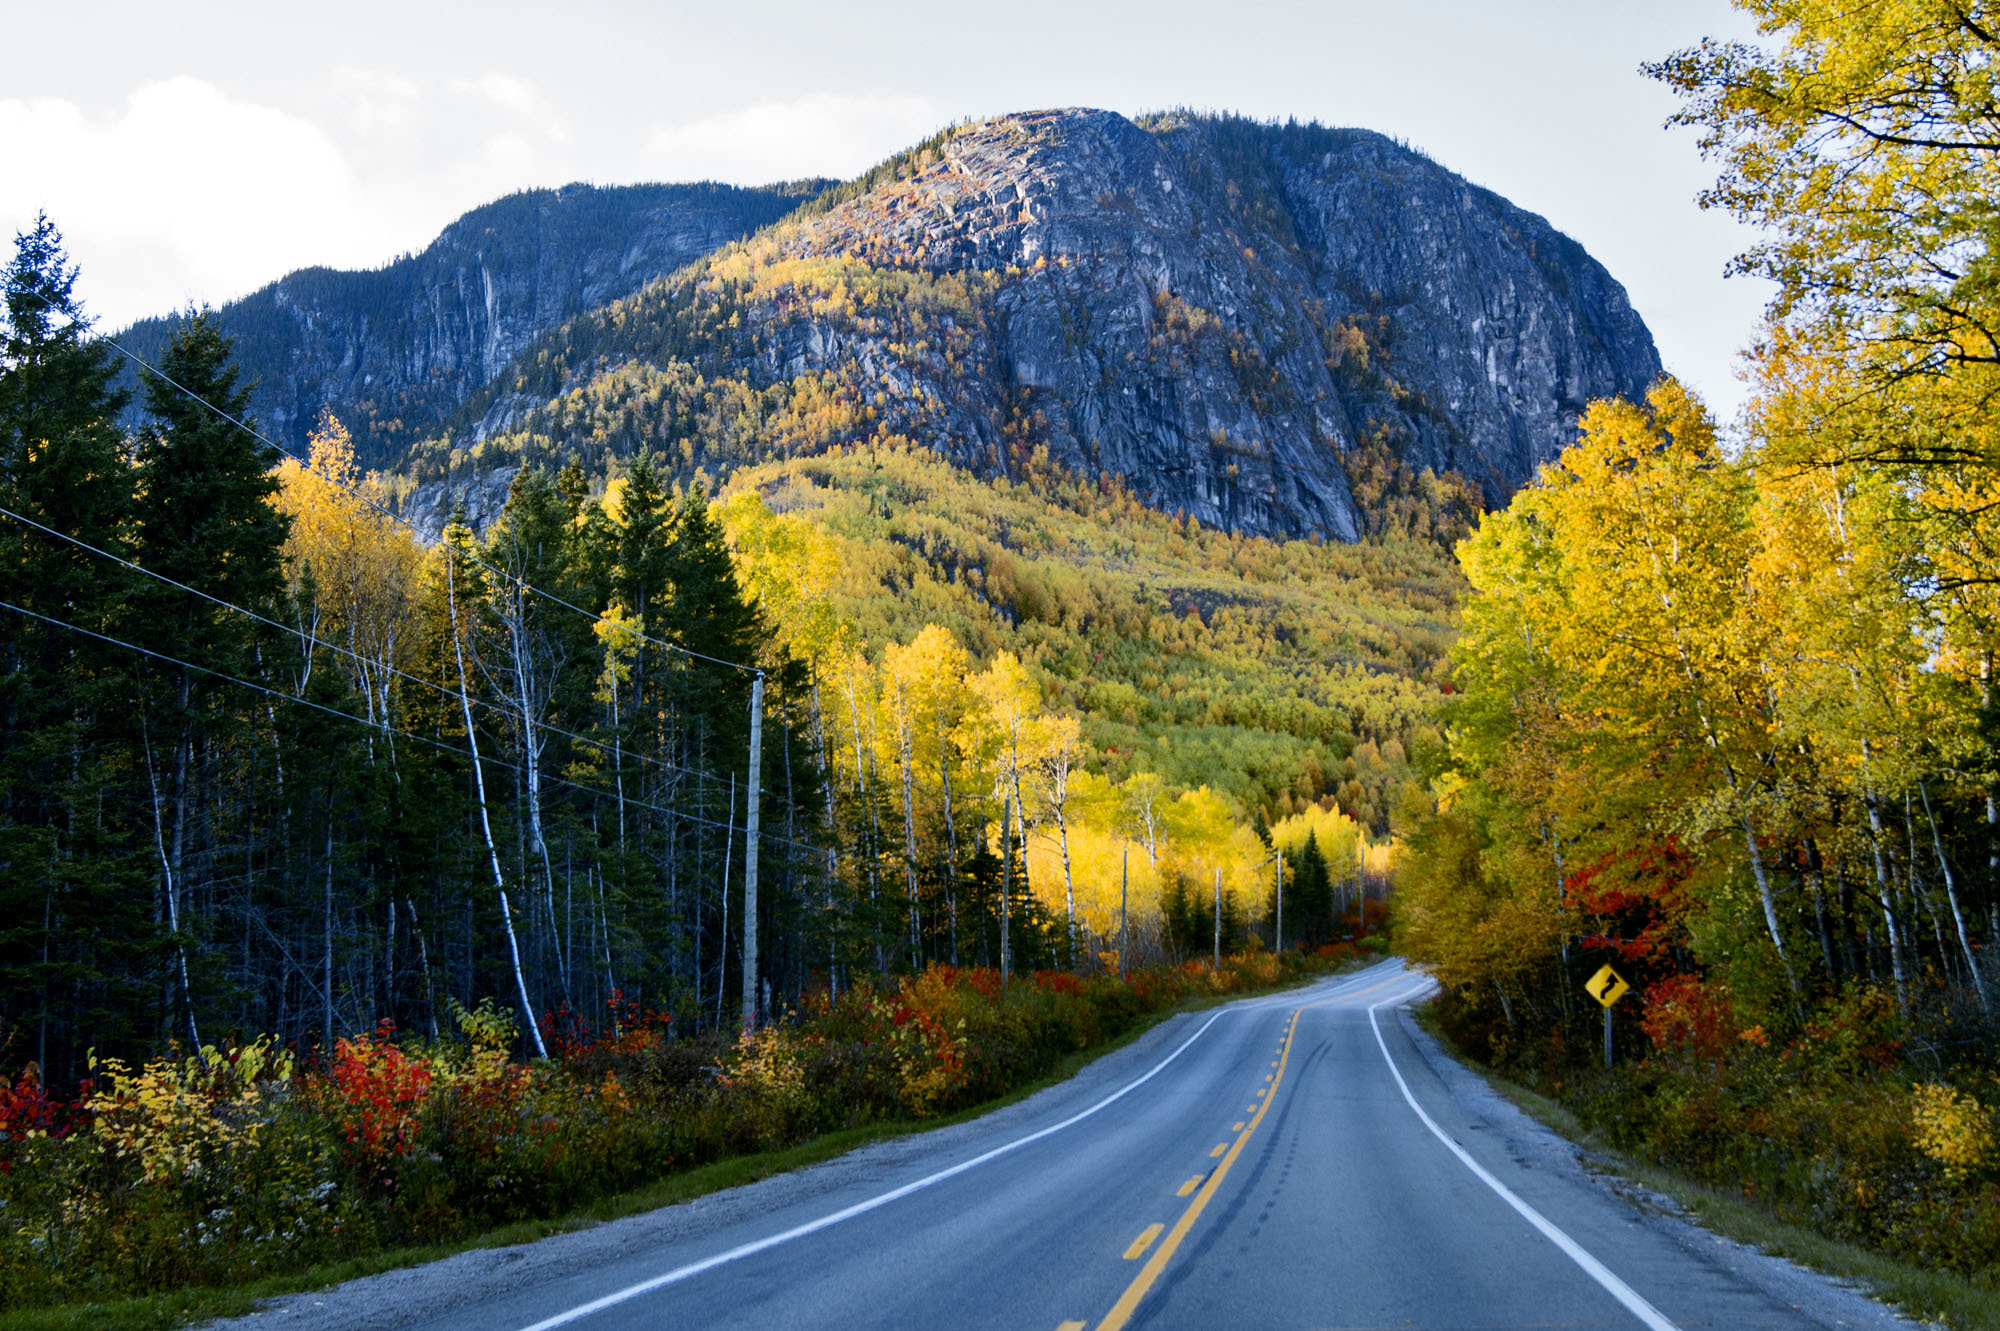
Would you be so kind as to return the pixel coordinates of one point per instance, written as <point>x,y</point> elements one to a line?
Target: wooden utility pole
<point>756,803</point>
<point>1218,918</point>
<point>1281,902</point>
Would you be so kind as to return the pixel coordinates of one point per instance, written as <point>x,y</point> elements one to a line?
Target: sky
<point>191,153</point>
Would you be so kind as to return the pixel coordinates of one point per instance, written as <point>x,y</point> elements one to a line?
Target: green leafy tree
<point>1865,143</point>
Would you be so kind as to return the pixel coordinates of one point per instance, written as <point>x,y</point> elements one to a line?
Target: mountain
<point>395,350</point>
<point>1275,329</point>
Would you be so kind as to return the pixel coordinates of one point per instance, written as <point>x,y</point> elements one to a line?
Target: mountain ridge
<point>1267,327</point>
<point>394,350</point>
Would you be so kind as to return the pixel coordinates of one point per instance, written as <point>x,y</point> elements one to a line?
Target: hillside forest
<point>1724,711</point>
<point>273,765</point>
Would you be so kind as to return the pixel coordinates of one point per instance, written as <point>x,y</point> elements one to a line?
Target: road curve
<point>1302,1160</point>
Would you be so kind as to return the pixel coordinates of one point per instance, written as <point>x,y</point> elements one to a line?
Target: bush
<point>1833,1128</point>
<point>218,1167</point>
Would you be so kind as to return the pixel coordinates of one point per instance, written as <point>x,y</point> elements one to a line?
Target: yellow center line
<point>1383,984</point>
<point>1191,1185</point>
<point>1143,1242</point>
<point>1128,1302</point>
<point>1219,1149</point>
<point>1236,1127</point>
<point>1069,1326</point>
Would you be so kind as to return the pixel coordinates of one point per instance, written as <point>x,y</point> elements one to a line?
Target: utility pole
<point>1218,917</point>
<point>1124,895</point>
<point>756,802</point>
<point>1006,881</point>
<point>1280,857</point>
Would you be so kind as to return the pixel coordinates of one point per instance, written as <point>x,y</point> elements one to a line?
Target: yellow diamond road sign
<point>1607,986</point>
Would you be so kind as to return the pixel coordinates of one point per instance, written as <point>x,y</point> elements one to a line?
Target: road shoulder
<point>412,1295</point>
<point>1831,1301</point>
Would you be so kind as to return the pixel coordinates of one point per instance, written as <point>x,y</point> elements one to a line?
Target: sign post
<point>1607,987</point>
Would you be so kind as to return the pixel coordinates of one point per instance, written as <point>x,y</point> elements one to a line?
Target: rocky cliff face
<point>395,351</point>
<point>1246,322</point>
<point>1272,328</point>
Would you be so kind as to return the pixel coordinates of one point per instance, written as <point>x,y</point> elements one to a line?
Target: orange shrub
<point>1685,1012</point>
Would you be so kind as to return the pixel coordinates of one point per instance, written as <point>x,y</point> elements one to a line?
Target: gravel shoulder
<point>1825,1299</point>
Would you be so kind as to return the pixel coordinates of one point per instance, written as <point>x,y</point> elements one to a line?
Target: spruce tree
<point>71,929</point>
<point>203,519</point>
<point>205,483</point>
<point>1312,889</point>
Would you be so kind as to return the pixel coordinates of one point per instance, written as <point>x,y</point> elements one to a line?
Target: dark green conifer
<point>73,933</point>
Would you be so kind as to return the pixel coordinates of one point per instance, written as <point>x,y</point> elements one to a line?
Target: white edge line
<point>812,1226</point>
<point>1634,1302</point>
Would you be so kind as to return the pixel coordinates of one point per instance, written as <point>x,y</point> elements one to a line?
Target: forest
<point>358,890</point>
<point>1723,710</point>
<point>274,765</point>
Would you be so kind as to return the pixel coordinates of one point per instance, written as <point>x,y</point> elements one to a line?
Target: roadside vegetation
<point>1723,711</point>
<point>237,1163</point>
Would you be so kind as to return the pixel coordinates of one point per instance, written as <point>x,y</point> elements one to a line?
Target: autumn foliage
<point>229,1162</point>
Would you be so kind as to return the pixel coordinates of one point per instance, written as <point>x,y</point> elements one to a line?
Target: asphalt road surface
<point>1303,1160</point>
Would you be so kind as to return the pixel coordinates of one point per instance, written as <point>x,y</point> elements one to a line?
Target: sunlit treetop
<point>1864,140</point>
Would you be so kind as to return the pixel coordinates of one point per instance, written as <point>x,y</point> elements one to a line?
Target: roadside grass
<point>1938,1297</point>
<point>186,1307</point>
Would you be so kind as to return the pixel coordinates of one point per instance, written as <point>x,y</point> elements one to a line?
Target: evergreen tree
<point>204,519</point>
<point>1311,895</point>
<point>71,932</point>
<point>205,484</point>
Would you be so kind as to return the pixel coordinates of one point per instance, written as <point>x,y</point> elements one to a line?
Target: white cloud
<point>504,90</point>
<point>376,106</point>
<point>820,134</point>
<point>520,99</point>
<point>184,193</point>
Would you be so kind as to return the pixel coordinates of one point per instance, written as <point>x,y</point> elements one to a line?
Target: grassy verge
<point>178,1308</point>
<point>1936,1296</point>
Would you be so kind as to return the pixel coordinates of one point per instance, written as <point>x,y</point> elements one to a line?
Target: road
<point>1302,1160</point>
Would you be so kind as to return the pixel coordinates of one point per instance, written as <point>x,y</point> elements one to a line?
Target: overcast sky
<point>194,152</point>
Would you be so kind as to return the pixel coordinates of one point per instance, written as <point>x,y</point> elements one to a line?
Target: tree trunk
<point>950,836</point>
<point>486,823</point>
<point>1951,896</point>
<point>171,891</point>
<point>424,966</point>
<point>910,839</point>
<point>326,953</point>
<point>1885,894</point>
<point>1069,885</point>
<point>722,948</point>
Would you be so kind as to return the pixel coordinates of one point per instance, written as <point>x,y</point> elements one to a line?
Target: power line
<point>302,635</point>
<point>378,507</point>
<point>280,694</point>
